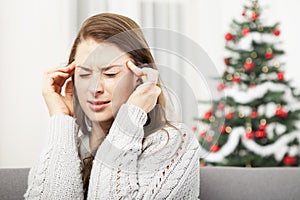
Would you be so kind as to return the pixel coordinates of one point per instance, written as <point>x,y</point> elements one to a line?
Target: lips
<point>98,102</point>
<point>98,105</point>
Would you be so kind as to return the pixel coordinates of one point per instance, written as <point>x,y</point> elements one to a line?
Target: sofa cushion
<point>234,183</point>
<point>216,183</point>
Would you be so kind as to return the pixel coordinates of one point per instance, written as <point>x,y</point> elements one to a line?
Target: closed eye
<point>84,75</point>
<point>112,71</point>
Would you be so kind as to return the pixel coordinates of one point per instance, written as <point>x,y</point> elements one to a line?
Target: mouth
<point>98,105</point>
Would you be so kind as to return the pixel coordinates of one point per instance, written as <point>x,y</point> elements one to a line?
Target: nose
<point>96,86</point>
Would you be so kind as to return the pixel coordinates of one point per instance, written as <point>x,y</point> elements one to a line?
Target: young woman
<point>108,135</point>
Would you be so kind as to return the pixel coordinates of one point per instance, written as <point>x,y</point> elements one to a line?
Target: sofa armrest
<point>13,183</point>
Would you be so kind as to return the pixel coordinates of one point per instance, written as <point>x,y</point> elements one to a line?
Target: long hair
<point>125,34</point>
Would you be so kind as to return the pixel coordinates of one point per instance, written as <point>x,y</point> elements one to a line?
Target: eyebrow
<point>85,68</point>
<point>103,69</point>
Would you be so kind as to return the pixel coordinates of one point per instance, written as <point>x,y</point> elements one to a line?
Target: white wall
<point>37,35</point>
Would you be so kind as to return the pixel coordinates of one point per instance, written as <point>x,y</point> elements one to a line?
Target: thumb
<point>69,89</point>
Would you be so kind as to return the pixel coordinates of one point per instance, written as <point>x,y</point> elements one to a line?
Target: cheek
<point>81,87</point>
<point>123,87</point>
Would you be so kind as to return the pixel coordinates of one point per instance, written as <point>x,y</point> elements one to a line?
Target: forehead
<point>93,54</point>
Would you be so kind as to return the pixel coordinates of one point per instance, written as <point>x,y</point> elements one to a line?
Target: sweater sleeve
<point>56,175</point>
<point>115,174</point>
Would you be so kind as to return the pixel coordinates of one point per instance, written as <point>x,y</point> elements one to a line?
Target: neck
<point>98,133</point>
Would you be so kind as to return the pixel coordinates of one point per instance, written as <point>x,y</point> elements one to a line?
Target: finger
<point>69,89</point>
<point>145,86</point>
<point>70,68</point>
<point>59,77</point>
<point>137,71</point>
<point>150,75</point>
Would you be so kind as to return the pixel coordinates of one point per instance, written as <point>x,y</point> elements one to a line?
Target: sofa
<point>216,183</point>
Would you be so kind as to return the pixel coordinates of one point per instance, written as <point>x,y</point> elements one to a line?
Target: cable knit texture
<point>164,165</point>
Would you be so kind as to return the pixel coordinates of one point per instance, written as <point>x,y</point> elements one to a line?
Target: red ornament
<point>222,129</point>
<point>251,86</point>
<point>254,114</point>
<point>209,138</point>
<point>203,134</point>
<point>229,115</point>
<point>226,61</point>
<point>249,65</point>
<point>202,164</point>
<point>280,76</point>
<point>207,115</point>
<point>249,135</point>
<point>245,31</point>
<point>243,14</point>
<point>254,16</point>
<point>221,106</point>
<point>260,134</point>
<point>281,113</point>
<point>236,79</point>
<point>221,87</point>
<point>289,160</point>
<point>263,126</point>
<point>276,32</point>
<point>228,37</point>
<point>269,55</point>
<point>214,148</point>
<point>194,128</point>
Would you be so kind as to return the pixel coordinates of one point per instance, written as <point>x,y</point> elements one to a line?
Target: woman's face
<point>103,82</point>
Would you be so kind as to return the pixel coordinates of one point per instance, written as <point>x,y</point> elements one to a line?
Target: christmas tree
<point>255,123</point>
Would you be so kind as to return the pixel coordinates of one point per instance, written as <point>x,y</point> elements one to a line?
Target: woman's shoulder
<point>188,137</point>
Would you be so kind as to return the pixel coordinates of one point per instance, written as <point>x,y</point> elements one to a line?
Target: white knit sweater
<point>126,165</point>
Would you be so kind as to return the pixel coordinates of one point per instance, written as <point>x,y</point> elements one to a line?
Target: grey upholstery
<point>233,183</point>
<point>216,183</point>
<point>13,183</point>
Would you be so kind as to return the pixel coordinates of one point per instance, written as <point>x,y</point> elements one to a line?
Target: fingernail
<point>130,63</point>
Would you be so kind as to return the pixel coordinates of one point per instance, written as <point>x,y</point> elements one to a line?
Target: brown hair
<point>126,34</point>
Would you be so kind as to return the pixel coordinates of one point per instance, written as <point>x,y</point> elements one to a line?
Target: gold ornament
<point>249,60</point>
<point>241,115</point>
<point>248,129</point>
<point>228,129</point>
<point>242,70</point>
<point>265,69</point>
<point>253,55</point>
<point>255,5</point>
<point>229,77</point>
<point>212,119</point>
<point>260,28</point>
<point>276,64</point>
<point>248,166</point>
<point>263,121</point>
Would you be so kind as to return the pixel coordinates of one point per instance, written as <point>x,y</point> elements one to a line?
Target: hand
<point>53,81</point>
<point>145,96</point>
